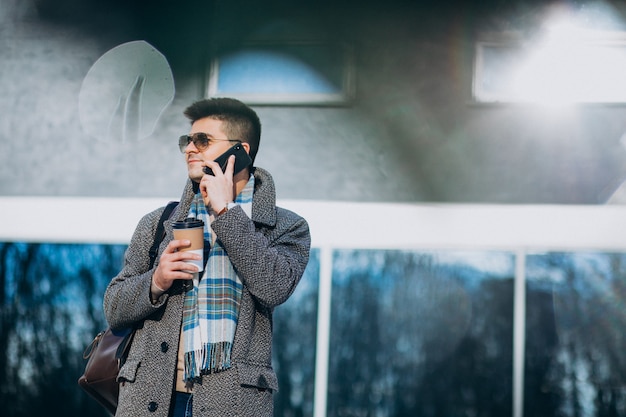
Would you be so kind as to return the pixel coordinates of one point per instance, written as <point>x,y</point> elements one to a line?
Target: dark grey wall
<point>411,134</point>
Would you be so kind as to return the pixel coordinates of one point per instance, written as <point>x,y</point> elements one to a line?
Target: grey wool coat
<point>269,253</point>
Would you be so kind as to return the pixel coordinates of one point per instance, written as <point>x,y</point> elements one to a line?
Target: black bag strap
<point>160,231</point>
<point>127,334</point>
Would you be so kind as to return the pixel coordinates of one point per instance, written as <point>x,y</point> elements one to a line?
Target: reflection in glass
<point>295,324</point>
<point>575,344</point>
<point>51,308</point>
<point>125,93</point>
<point>421,334</point>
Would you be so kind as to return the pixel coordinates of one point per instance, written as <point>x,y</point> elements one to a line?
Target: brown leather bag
<point>106,354</point>
<point>109,349</point>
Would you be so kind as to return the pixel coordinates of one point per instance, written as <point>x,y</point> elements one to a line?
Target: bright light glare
<point>571,67</point>
<point>569,73</point>
<point>579,60</point>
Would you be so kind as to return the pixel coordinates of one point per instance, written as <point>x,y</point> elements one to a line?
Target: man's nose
<point>191,148</point>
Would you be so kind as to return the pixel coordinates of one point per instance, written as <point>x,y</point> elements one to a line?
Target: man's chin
<point>196,175</point>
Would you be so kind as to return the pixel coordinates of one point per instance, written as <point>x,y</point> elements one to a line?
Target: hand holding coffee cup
<point>192,230</point>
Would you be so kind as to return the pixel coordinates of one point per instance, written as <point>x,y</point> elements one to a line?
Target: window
<point>561,70</point>
<point>296,73</point>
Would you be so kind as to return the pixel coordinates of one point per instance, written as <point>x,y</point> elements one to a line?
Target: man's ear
<point>246,146</point>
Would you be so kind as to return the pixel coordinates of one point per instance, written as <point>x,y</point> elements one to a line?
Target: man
<point>205,349</point>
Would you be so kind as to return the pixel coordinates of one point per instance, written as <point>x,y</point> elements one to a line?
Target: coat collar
<point>263,202</point>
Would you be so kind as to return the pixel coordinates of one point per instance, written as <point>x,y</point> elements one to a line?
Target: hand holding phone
<point>242,159</point>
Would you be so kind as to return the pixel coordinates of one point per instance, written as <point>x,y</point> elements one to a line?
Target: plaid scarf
<point>211,307</point>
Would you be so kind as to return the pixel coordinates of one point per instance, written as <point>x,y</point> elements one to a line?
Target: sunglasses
<point>200,140</point>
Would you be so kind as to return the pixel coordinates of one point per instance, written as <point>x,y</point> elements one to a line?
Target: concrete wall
<point>412,133</point>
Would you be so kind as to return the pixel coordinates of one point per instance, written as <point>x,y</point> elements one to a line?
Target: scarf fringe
<point>212,358</point>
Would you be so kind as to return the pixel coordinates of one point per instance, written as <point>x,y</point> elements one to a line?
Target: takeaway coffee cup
<point>192,230</point>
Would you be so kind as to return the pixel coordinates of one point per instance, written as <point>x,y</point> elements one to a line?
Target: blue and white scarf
<point>211,307</point>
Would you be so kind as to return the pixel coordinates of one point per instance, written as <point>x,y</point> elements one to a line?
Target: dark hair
<point>240,121</point>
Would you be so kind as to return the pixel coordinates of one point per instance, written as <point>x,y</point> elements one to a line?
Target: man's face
<point>195,159</point>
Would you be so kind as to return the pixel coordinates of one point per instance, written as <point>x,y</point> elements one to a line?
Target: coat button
<point>262,383</point>
<point>152,407</point>
<point>164,347</point>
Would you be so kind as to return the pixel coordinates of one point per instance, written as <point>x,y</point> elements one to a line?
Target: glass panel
<point>554,71</point>
<point>575,324</point>
<point>51,308</point>
<point>284,73</point>
<point>295,326</point>
<point>51,305</point>
<point>421,334</point>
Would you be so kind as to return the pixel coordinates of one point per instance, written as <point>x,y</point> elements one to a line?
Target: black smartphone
<point>242,159</point>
